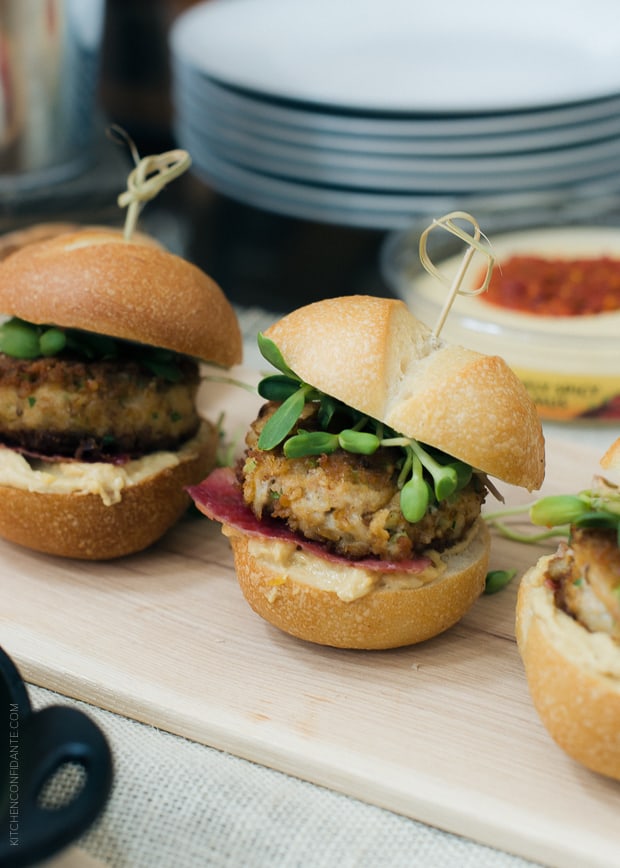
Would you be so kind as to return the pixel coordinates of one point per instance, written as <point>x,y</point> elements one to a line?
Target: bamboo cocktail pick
<point>447,222</point>
<point>150,175</point>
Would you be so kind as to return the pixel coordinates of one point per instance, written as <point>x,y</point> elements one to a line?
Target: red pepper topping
<point>556,287</point>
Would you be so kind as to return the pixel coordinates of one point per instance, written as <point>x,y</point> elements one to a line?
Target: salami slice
<point>220,498</point>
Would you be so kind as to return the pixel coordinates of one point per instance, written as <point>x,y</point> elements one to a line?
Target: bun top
<point>94,280</point>
<point>374,355</point>
<point>17,238</point>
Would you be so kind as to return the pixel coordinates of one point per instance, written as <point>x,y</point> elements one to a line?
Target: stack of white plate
<point>375,112</point>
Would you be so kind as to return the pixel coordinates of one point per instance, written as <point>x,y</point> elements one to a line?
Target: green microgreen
<point>52,341</point>
<point>497,580</point>
<point>283,420</point>
<point>360,442</point>
<point>327,408</point>
<point>361,435</point>
<point>598,506</point>
<point>278,387</point>
<point>25,340</point>
<point>464,473</point>
<point>226,449</point>
<point>270,352</point>
<point>444,475</point>
<point>19,340</point>
<point>415,495</point>
<point>310,443</point>
<point>558,510</point>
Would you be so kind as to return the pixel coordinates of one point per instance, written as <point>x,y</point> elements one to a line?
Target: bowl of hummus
<point>551,310</point>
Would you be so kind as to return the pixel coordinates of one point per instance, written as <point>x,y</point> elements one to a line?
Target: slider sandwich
<point>99,373</point>
<point>354,514</point>
<point>568,622</point>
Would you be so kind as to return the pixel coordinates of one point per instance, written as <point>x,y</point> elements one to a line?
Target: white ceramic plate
<point>422,173</point>
<point>346,122</point>
<point>229,116</point>
<point>382,210</point>
<point>405,56</point>
<point>352,173</point>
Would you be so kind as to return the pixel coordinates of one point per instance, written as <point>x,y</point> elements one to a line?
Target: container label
<point>563,397</point>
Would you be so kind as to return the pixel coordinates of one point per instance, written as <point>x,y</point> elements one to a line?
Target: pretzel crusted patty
<point>585,575</point>
<point>349,501</point>
<point>88,410</point>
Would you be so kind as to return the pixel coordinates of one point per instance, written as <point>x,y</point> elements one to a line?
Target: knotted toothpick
<point>148,178</point>
<point>473,244</point>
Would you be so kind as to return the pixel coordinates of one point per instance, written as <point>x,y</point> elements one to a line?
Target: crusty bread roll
<point>83,526</point>
<point>386,617</point>
<point>95,281</point>
<point>18,238</point>
<point>11,242</point>
<point>374,355</point>
<point>573,675</point>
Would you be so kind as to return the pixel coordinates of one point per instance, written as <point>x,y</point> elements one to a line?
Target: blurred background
<point>316,130</point>
<point>325,137</point>
<point>110,62</point>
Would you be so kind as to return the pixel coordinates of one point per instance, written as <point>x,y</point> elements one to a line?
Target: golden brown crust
<point>374,355</point>
<point>10,242</point>
<point>81,526</point>
<point>384,618</point>
<point>94,280</point>
<point>573,676</point>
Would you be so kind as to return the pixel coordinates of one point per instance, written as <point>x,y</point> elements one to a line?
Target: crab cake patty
<point>349,502</point>
<point>87,410</point>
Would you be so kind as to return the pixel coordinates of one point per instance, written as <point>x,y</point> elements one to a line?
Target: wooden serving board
<point>443,732</point>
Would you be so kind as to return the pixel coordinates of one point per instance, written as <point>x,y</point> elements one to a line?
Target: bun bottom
<point>383,618</point>
<point>573,676</point>
<point>81,526</point>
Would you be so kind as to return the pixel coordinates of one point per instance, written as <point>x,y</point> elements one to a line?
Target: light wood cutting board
<point>443,732</point>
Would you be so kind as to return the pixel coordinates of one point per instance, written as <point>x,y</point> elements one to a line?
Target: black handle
<point>42,743</point>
